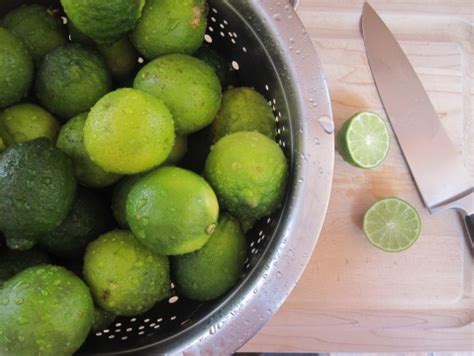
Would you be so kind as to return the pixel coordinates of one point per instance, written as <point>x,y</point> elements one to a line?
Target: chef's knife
<point>441,178</point>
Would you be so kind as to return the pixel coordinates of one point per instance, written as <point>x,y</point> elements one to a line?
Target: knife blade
<point>435,165</point>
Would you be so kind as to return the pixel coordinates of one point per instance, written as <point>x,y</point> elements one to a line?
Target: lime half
<point>392,225</point>
<point>364,140</point>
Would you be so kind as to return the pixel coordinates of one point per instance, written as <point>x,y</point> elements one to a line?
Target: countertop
<point>353,297</point>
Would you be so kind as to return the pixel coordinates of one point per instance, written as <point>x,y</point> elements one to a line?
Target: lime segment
<point>392,225</point>
<point>364,140</point>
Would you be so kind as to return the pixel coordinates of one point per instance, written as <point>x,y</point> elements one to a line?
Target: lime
<point>179,150</point>
<point>223,69</point>
<point>129,131</point>
<point>125,277</point>
<point>392,225</point>
<point>25,122</point>
<point>78,37</point>
<point>16,69</point>
<point>188,86</point>
<point>102,319</point>
<point>243,109</point>
<point>119,198</point>
<point>121,58</point>
<point>71,79</point>
<point>248,172</point>
<point>364,140</point>
<point>13,262</point>
<point>37,27</point>
<point>172,211</point>
<point>210,272</point>
<point>104,21</point>
<point>71,142</point>
<point>170,26</point>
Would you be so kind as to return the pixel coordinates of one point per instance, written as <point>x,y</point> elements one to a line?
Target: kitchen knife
<point>441,178</point>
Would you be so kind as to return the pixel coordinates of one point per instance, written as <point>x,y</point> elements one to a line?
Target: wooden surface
<point>353,297</point>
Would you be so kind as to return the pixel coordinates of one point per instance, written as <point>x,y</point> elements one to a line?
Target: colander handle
<point>294,3</point>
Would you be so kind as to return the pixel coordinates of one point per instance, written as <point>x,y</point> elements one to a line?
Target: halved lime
<point>392,225</point>
<point>364,140</point>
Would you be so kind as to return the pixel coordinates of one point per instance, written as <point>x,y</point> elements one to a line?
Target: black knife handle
<point>469,221</point>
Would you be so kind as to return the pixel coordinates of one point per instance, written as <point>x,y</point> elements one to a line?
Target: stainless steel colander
<point>267,44</point>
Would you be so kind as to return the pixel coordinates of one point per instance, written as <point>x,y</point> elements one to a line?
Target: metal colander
<point>267,44</point>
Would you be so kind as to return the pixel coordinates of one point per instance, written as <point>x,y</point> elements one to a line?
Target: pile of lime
<point>100,120</point>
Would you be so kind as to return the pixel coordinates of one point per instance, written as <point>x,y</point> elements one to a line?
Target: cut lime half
<point>364,140</point>
<point>392,225</point>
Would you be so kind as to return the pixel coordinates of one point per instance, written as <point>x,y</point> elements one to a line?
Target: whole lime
<point>16,69</point>
<point>25,122</point>
<point>13,262</point>
<point>39,29</point>
<point>102,319</point>
<point>124,276</point>
<point>178,151</point>
<point>104,21</point>
<point>170,26</point>
<point>225,72</point>
<point>199,147</point>
<point>2,145</point>
<point>71,142</point>
<point>119,199</point>
<point>49,311</point>
<point>121,58</point>
<point>37,189</point>
<point>172,211</point>
<point>243,109</point>
<point>88,218</point>
<point>71,79</point>
<point>187,85</point>
<point>210,272</point>
<point>249,173</point>
<point>129,131</point>
<point>78,37</point>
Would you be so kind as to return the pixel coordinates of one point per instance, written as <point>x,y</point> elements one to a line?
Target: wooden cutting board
<point>353,297</point>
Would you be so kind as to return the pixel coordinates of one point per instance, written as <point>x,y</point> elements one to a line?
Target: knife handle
<point>469,221</point>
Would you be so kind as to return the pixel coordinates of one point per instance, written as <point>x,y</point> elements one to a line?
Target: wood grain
<point>353,297</point>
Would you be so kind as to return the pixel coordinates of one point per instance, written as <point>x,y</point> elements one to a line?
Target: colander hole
<point>64,20</point>
<point>141,60</point>
<point>279,114</point>
<point>172,285</point>
<point>283,128</point>
<point>208,38</point>
<point>98,334</point>
<point>274,101</point>
<point>118,325</point>
<point>129,330</point>
<point>214,10</point>
<point>235,35</point>
<point>279,131</point>
<point>230,34</point>
<point>124,337</point>
<point>213,19</point>
<point>222,34</point>
<point>211,28</point>
<point>233,41</point>
<point>235,65</point>
<point>252,243</point>
<point>118,330</point>
<point>152,325</point>
<point>244,49</point>
<point>253,251</point>
<point>159,320</point>
<point>247,266</point>
<point>225,22</point>
<point>173,299</point>
<point>221,25</point>
<point>106,331</point>
<point>111,337</point>
<point>156,326</point>
<point>260,233</point>
<point>267,88</point>
<point>141,332</point>
<point>133,320</point>
<point>70,38</point>
<point>173,317</point>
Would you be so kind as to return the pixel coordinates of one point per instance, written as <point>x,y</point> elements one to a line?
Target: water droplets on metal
<point>327,124</point>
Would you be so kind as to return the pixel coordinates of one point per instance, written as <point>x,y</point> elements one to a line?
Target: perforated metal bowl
<point>268,45</point>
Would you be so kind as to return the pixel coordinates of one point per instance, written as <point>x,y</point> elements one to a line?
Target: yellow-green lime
<point>210,272</point>
<point>249,172</point>
<point>121,58</point>
<point>364,140</point>
<point>16,69</point>
<point>119,198</point>
<point>172,211</point>
<point>188,86</point>
<point>124,276</point>
<point>170,26</point>
<point>392,225</point>
<point>129,131</point>
<point>71,142</point>
<point>179,150</point>
<point>25,122</point>
<point>39,29</point>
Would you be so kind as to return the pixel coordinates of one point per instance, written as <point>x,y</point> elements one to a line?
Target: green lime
<point>25,122</point>
<point>71,79</point>
<point>71,142</point>
<point>225,72</point>
<point>172,211</point>
<point>121,58</point>
<point>392,225</point>
<point>364,140</point>
<point>124,276</point>
<point>104,21</point>
<point>37,189</point>
<point>187,85</point>
<point>2,145</point>
<point>88,218</point>
<point>210,272</point>
<point>44,310</point>
<point>78,37</point>
<point>16,69</point>
<point>102,319</point>
<point>179,150</point>
<point>170,26</point>
<point>244,109</point>
<point>39,29</point>
<point>249,173</point>
<point>119,199</point>
<point>129,131</point>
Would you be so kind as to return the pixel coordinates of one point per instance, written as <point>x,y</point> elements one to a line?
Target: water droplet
<point>316,141</point>
<point>22,320</point>
<point>301,180</point>
<point>277,17</point>
<point>327,124</point>
<point>279,275</point>
<point>145,221</point>
<point>5,301</point>
<point>19,301</point>
<point>44,293</point>
<point>310,100</point>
